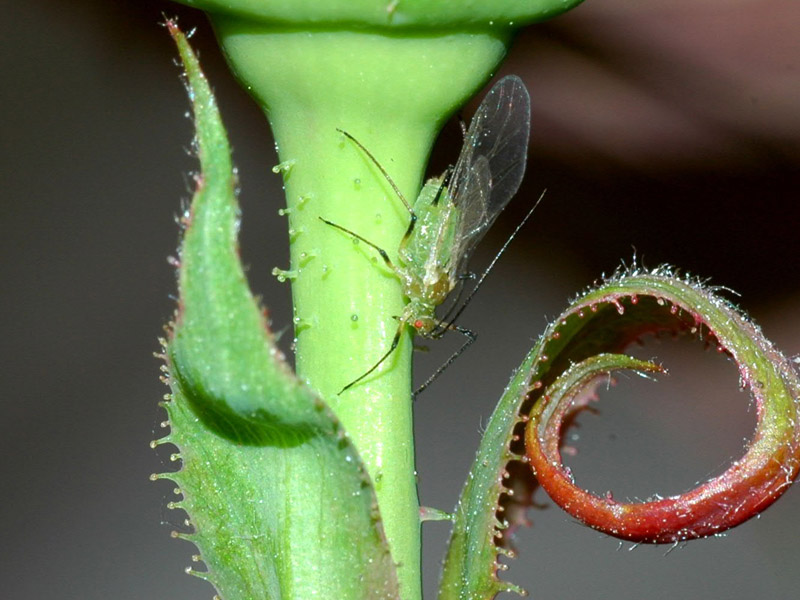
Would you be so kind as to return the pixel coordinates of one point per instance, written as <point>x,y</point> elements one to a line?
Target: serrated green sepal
<point>280,504</point>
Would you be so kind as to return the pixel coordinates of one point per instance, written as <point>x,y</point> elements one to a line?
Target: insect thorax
<point>427,254</point>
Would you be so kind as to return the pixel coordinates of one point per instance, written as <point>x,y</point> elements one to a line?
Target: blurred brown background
<point>671,127</point>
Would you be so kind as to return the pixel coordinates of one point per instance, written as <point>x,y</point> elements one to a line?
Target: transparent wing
<point>491,164</point>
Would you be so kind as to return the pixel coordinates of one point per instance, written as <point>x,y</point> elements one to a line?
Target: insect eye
<point>418,324</point>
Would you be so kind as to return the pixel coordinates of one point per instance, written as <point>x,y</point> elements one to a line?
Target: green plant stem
<point>392,92</point>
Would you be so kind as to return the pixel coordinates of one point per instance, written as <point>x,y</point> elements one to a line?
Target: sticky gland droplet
<point>282,275</point>
<point>284,167</point>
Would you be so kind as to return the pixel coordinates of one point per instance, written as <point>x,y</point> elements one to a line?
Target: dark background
<point>668,126</point>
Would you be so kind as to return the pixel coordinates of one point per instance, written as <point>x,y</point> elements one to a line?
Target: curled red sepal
<point>746,488</point>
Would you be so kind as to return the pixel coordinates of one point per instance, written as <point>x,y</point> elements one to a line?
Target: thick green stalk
<point>392,92</point>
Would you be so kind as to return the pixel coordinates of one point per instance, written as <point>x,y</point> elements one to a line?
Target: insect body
<point>454,211</point>
<point>426,257</point>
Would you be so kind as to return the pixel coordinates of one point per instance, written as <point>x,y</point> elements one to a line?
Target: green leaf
<point>558,377</point>
<point>278,499</point>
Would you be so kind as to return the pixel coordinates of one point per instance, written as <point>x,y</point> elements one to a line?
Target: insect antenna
<point>388,178</point>
<point>380,168</point>
<point>449,324</point>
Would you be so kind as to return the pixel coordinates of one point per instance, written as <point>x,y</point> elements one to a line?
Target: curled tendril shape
<point>579,349</point>
<point>749,485</point>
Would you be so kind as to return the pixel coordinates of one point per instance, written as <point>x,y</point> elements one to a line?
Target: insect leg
<point>463,124</point>
<point>441,326</point>
<point>444,322</point>
<point>380,250</point>
<point>471,337</point>
<point>445,182</point>
<point>395,342</point>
